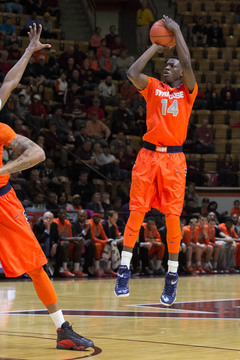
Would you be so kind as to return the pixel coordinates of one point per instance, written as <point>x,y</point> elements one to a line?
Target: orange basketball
<point>160,35</point>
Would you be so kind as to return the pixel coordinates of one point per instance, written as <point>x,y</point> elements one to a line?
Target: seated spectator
<point>194,249</point>
<point>52,203</point>
<point>108,90</point>
<point>140,121</point>
<point>30,72</point>
<point>203,240</point>
<point>127,158</point>
<point>70,95</point>
<point>95,95</point>
<point>190,209</point>
<point>71,53</point>
<point>227,96</point>
<point>212,208</point>
<point>204,138</point>
<point>96,130</point>
<point>107,64</point>
<point>117,46</point>
<point>46,231</point>
<point>52,142</point>
<point>111,36</point>
<point>96,108</point>
<point>233,247</point>
<point>151,245</point>
<point>195,172</point>
<point>61,124</point>
<point>103,247</point>
<point>96,38</point>
<point>47,27</point>
<point>81,228</point>
<point>87,76</point>
<point>96,204</point>
<point>52,7</point>
<point>74,207</point>
<point>14,6</point>
<point>227,169</point>
<point>83,187</point>
<point>7,30</point>
<point>215,35</point>
<point>100,51</point>
<point>35,185</point>
<point>5,65</point>
<point>20,129</point>
<point>32,19</point>
<point>122,119</point>
<point>54,68</point>
<point>236,208</point>
<point>118,143</point>
<point>200,102</point>
<point>191,193</point>
<point>18,183</point>
<point>190,142</point>
<point>38,6</point>
<point>203,210</point>
<point>61,86</point>
<point>83,158</point>
<point>218,247</point>
<point>212,96</point>
<point>71,245</point>
<point>14,53</point>
<point>123,63</point>
<point>129,92</point>
<point>107,163</point>
<point>199,33</point>
<point>37,114</point>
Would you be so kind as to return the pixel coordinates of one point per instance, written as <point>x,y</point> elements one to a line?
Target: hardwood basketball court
<point>203,324</point>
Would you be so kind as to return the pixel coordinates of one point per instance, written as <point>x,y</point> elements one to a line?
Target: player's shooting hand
<point>170,23</point>
<point>34,37</point>
<point>158,48</point>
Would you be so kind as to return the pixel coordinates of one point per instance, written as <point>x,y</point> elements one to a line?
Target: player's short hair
<point>172,57</point>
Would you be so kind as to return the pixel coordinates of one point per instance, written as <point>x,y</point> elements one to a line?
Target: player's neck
<point>175,84</point>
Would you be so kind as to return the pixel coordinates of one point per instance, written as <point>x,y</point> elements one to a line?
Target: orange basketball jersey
<point>6,136</point>
<point>168,112</point>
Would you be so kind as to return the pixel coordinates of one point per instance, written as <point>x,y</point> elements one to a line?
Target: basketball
<point>160,35</point>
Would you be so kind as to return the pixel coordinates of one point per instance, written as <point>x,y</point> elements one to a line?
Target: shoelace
<point>72,332</point>
<point>122,281</point>
<point>169,289</point>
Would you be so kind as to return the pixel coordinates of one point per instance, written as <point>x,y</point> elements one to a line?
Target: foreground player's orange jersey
<point>6,136</point>
<point>168,112</point>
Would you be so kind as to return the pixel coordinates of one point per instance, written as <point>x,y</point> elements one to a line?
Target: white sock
<point>158,264</point>
<point>76,266</point>
<point>205,265</point>
<point>172,266</point>
<point>57,318</point>
<point>97,265</point>
<point>188,263</point>
<point>65,266</point>
<point>126,258</point>
<point>198,263</point>
<point>215,265</point>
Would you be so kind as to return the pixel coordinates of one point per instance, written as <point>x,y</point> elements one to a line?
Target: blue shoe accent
<point>170,289</point>
<point>123,276</point>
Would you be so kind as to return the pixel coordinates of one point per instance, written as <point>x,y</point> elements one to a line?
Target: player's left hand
<point>170,23</point>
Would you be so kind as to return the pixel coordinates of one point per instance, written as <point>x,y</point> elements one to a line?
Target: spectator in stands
<point>111,36</point>
<point>103,250</point>
<point>191,193</point>
<point>144,20</point>
<point>20,129</point>
<point>212,208</point>
<point>83,158</point>
<point>18,183</point>
<point>204,138</point>
<point>14,6</point>
<point>5,65</point>
<point>37,114</point>
<point>211,96</point>
<point>81,228</point>
<point>127,158</point>
<point>95,95</point>
<point>107,64</point>
<point>236,208</point>
<point>237,14</point>
<point>227,96</point>
<point>52,142</point>
<point>61,86</point>
<point>83,187</point>
<point>14,53</point>
<point>230,244</point>
<point>61,124</point>
<point>151,245</point>
<point>35,185</point>
<point>191,209</point>
<point>140,121</point>
<point>203,210</point>
<point>96,38</point>
<point>195,172</point>
<point>29,22</point>
<point>54,68</point>
<point>117,46</point>
<point>122,119</point>
<point>199,33</point>
<point>96,130</point>
<point>99,54</point>
<point>123,63</point>
<point>227,169</point>
<point>200,102</point>
<point>215,35</point>
<point>71,53</point>
<point>52,203</point>
<point>7,30</point>
<point>71,94</point>
<point>96,108</point>
<point>66,236</point>
<point>30,72</point>
<point>96,204</point>
<point>52,7</point>
<point>190,143</point>
<point>107,164</point>
<point>46,231</point>
<point>118,143</point>
<point>106,202</point>
<point>47,27</point>
<point>108,90</point>
<point>87,77</point>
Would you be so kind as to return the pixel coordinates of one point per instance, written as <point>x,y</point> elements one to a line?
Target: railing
<point>90,7</point>
<point>153,8</point>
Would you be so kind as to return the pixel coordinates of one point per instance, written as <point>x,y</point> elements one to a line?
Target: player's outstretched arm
<point>182,51</point>
<point>30,154</point>
<point>134,73</point>
<point>13,77</point>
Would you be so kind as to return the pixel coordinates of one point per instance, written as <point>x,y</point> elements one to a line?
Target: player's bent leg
<point>169,294</point>
<point>130,236</point>
<point>67,339</point>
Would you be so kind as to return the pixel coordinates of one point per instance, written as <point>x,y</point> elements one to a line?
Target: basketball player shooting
<point>20,251</point>
<point>159,175</point>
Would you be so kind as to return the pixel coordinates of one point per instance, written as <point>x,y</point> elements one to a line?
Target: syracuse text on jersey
<point>175,95</point>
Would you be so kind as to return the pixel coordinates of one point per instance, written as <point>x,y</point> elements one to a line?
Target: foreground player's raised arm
<point>13,77</point>
<point>134,73</point>
<point>30,154</point>
<point>183,53</point>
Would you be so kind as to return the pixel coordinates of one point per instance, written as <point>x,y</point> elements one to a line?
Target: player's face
<point>172,71</point>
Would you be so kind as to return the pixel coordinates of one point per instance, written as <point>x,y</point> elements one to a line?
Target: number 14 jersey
<point>168,112</point>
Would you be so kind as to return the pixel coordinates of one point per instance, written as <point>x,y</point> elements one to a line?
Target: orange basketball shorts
<point>158,180</point>
<point>20,251</point>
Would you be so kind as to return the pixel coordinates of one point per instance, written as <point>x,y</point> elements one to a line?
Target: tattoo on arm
<point>21,143</point>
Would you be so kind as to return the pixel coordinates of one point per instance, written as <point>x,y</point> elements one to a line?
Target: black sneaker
<point>67,339</point>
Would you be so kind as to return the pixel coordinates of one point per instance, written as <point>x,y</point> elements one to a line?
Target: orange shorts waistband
<point>162,149</point>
